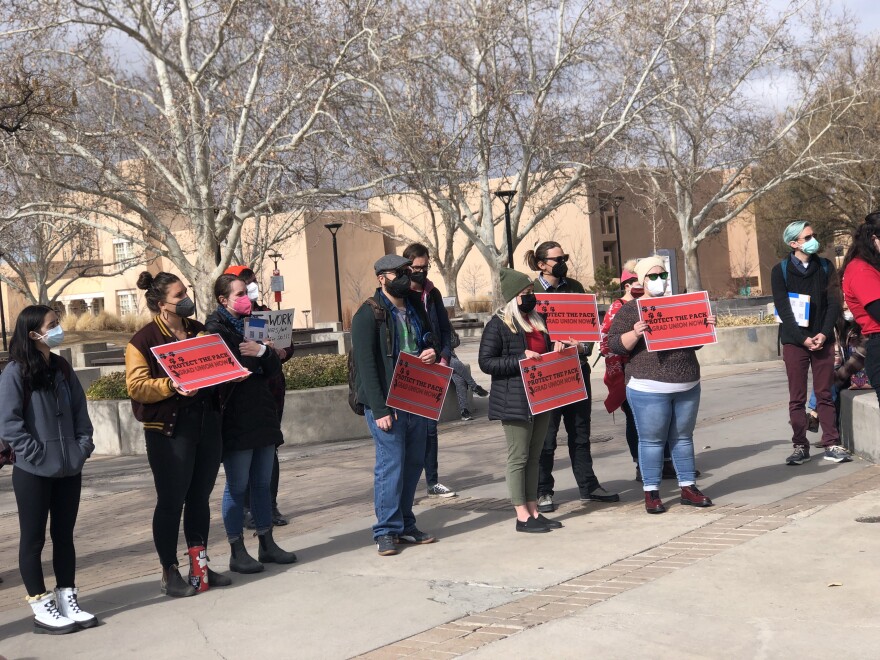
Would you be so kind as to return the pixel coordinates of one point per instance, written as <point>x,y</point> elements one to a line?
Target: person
<point>861,289</point>
<point>462,380</point>
<point>279,390</point>
<point>663,389</point>
<point>806,348</point>
<point>181,429</point>
<point>615,379</point>
<point>551,262</point>
<point>45,420</point>
<point>400,437</point>
<point>516,332</point>
<point>251,429</point>
<point>429,296</point>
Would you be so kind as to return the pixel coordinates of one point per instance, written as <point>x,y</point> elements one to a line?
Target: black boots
<point>174,585</point>
<point>241,561</point>
<point>270,553</point>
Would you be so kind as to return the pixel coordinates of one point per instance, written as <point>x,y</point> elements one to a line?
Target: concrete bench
<point>860,423</point>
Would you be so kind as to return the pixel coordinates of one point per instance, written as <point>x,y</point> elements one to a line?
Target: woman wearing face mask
<point>663,388</point>
<point>45,419</point>
<point>182,429</point>
<point>615,364</point>
<point>251,430</point>
<point>514,333</point>
<point>861,289</point>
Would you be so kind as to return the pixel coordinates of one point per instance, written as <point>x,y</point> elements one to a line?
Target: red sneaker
<point>691,496</point>
<point>653,504</point>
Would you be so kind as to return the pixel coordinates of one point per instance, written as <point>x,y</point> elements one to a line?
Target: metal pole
<point>506,196</point>
<point>3,320</point>
<point>617,201</point>
<point>336,272</point>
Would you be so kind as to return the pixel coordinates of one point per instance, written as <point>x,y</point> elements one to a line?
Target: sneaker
<point>479,391</point>
<point>466,415</point>
<point>439,490</point>
<point>545,504</point>
<point>837,454</point>
<point>812,421</point>
<point>799,456</point>
<point>532,526</point>
<point>387,545</point>
<point>415,536</point>
<point>601,495</point>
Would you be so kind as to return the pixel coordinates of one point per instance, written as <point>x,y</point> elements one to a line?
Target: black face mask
<point>185,308</point>
<point>528,303</point>
<point>560,270</point>
<point>419,277</point>
<point>398,287</point>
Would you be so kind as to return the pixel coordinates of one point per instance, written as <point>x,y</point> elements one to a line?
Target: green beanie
<point>512,283</point>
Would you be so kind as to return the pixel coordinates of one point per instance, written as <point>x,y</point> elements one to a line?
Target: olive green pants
<point>524,443</point>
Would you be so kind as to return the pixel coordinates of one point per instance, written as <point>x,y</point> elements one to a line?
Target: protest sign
<point>570,315</point>
<point>677,321</point>
<point>199,362</point>
<point>279,326</point>
<point>418,388</point>
<point>553,380</point>
<point>255,329</point>
<point>800,307</point>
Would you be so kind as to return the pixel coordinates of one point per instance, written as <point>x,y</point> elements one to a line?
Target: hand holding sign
<point>198,362</point>
<point>682,321</point>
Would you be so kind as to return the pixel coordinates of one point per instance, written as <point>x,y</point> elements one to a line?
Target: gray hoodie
<point>53,437</point>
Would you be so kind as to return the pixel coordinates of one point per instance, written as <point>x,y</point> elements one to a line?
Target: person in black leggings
<point>45,420</point>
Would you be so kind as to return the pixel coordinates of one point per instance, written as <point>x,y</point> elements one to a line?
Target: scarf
<point>226,315</point>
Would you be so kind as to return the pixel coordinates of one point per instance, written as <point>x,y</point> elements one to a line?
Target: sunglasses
<point>653,276</point>
<point>563,258</point>
<point>400,272</point>
<point>808,237</point>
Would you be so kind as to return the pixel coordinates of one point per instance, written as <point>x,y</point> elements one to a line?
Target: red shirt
<point>861,287</point>
<point>535,341</point>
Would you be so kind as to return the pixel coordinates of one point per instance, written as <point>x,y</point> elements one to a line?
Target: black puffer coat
<point>250,415</point>
<point>500,353</point>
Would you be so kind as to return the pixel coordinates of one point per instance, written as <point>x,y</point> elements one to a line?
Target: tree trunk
<point>691,265</point>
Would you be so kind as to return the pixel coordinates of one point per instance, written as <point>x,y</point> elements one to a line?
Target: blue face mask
<point>810,247</point>
<point>54,337</point>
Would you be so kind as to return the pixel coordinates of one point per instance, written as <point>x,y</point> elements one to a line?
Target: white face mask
<point>656,287</point>
<point>848,315</point>
<point>253,291</point>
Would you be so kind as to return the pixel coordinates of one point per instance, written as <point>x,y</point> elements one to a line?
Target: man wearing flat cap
<point>381,329</point>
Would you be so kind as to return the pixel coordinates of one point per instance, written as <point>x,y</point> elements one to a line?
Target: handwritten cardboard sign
<point>279,326</point>
<point>677,321</point>
<point>419,388</point>
<point>553,380</point>
<point>199,362</point>
<point>570,315</point>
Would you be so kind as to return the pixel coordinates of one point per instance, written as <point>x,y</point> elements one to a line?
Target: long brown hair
<point>540,254</point>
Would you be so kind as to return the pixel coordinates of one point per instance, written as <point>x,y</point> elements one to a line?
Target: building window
<point>123,251</point>
<point>127,303</point>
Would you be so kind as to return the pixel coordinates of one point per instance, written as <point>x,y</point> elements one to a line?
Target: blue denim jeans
<point>662,419</point>
<point>247,467</point>
<point>400,458</point>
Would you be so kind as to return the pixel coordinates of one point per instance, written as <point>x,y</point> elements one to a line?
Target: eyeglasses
<point>563,258</point>
<point>400,272</point>
<point>420,269</point>
<point>653,276</point>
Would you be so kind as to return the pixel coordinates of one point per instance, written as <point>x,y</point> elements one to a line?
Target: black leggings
<point>184,470</point>
<point>38,498</point>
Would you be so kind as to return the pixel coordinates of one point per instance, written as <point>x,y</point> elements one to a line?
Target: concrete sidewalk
<point>743,579</point>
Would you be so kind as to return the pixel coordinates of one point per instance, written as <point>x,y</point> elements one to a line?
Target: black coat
<point>500,353</point>
<point>250,414</point>
<point>825,304</point>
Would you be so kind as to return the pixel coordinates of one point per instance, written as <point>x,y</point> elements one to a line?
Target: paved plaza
<point>779,568</point>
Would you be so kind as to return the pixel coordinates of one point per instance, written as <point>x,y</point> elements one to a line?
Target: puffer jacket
<point>250,415</point>
<point>499,356</point>
<point>52,437</point>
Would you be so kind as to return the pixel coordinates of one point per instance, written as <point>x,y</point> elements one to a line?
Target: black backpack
<point>380,315</point>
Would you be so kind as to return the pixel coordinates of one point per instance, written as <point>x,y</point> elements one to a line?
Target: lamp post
<point>616,201</point>
<point>506,196</point>
<point>277,280</point>
<point>334,227</point>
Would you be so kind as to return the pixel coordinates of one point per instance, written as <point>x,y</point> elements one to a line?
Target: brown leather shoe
<point>692,496</point>
<point>653,504</point>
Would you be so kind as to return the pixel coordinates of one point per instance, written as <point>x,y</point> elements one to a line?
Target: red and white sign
<point>419,388</point>
<point>570,315</point>
<point>680,321</point>
<point>199,362</point>
<point>553,380</point>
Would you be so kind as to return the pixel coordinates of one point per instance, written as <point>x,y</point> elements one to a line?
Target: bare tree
<point>221,112</point>
<point>472,280</point>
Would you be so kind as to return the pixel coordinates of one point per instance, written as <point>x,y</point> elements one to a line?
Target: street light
<point>506,196</point>
<point>334,227</point>
<point>616,202</point>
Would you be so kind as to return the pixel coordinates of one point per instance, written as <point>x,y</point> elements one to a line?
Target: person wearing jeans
<point>808,343</point>
<point>663,389</point>
<point>248,471</point>
<point>383,327</point>
<point>462,380</point>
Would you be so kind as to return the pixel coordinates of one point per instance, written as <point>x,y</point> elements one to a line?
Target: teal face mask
<point>54,337</point>
<point>810,247</point>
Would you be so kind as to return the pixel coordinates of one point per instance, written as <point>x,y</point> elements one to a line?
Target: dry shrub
<point>477,305</point>
<point>68,322</point>
<point>736,321</point>
<point>101,321</point>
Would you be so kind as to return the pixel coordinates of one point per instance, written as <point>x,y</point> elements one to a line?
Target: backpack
<point>380,315</point>
<point>7,454</point>
<point>826,266</point>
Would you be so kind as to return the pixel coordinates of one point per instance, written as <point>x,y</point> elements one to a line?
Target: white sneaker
<point>439,490</point>
<point>47,619</point>
<point>69,607</point>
